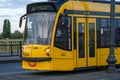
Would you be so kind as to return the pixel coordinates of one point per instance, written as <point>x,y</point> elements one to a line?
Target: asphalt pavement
<point>70,75</point>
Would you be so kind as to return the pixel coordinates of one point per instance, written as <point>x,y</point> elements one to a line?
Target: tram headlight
<point>47,50</point>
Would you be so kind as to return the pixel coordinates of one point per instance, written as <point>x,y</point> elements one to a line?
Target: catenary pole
<point>111,58</point>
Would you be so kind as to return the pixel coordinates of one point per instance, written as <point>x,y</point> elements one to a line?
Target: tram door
<point>86,42</point>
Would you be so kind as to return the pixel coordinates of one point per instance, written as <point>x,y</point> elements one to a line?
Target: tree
<point>6,29</point>
<point>0,36</point>
<point>17,35</point>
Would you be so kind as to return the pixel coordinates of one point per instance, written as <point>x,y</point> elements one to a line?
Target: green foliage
<point>17,35</point>
<point>6,29</point>
<point>7,32</point>
<point>1,35</point>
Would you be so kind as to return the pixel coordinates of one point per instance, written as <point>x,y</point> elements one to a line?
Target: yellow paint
<point>62,64</point>
<point>81,62</point>
<point>39,66</point>
<point>35,51</point>
<point>91,60</point>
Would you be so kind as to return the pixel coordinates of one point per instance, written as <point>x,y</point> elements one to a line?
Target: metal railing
<point>10,47</point>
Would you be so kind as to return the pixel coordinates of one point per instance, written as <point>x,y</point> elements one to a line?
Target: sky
<point>13,10</point>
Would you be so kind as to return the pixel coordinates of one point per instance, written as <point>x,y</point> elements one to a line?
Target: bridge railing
<point>10,47</point>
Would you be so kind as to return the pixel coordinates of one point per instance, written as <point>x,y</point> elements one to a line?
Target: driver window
<point>63,34</point>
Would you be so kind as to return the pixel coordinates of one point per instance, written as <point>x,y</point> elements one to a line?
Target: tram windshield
<point>39,28</point>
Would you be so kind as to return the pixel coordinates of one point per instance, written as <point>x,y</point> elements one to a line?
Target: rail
<point>10,47</point>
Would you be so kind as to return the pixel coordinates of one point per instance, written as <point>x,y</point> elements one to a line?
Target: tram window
<point>63,35</point>
<point>81,40</point>
<point>118,23</point>
<point>92,39</point>
<point>103,22</point>
<point>118,33</point>
<point>103,31</point>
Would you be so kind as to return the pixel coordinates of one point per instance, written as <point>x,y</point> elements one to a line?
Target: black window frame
<point>59,25</point>
<point>103,33</point>
<point>117,33</point>
<point>92,40</point>
<point>81,41</point>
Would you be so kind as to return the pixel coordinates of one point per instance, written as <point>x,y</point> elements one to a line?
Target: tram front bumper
<point>36,63</point>
<point>36,59</point>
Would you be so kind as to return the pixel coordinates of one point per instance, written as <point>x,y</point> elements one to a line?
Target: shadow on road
<point>60,73</point>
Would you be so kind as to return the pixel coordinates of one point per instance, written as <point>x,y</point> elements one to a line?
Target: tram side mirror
<point>20,22</point>
<point>21,19</point>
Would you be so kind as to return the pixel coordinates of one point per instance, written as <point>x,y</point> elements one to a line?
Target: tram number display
<point>40,7</point>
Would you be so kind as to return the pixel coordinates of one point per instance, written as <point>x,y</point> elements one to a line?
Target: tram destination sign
<point>37,7</point>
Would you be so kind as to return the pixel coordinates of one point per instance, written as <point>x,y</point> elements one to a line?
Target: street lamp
<point>111,58</point>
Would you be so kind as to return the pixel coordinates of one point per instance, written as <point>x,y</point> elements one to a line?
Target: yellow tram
<point>68,34</point>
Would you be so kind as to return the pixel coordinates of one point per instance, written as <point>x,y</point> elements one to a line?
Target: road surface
<point>13,71</point>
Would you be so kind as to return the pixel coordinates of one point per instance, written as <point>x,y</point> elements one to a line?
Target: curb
<point>10,61</point>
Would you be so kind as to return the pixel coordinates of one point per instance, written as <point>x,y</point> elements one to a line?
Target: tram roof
<point>100,1</point>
